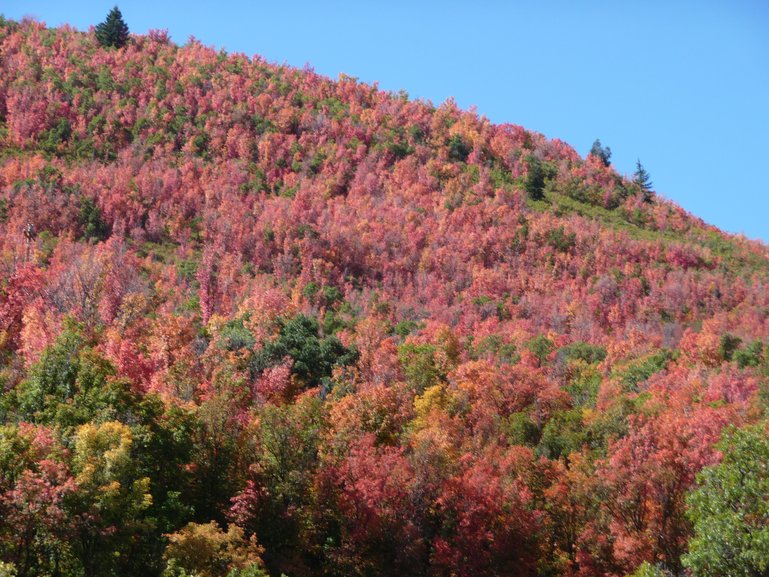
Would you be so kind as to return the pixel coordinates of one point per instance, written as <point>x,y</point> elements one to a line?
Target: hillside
<point>372,335</point>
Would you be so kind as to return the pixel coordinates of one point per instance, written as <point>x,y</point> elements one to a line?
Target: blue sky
<point>682,85</point>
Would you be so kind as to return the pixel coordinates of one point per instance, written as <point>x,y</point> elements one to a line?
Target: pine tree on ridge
<point>113,31</point>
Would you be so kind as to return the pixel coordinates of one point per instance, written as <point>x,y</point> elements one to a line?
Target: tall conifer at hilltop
<point>113,31</point>
<point>642,179</point>
<point>601,152</point>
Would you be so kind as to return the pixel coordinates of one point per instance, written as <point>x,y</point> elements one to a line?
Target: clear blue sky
<point>681,84</point>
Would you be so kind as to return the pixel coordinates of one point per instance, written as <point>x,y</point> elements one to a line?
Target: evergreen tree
<point>602,152</point>
<point>642,179</point>
<point>113,31</point>
<point>91,220</point>
<point>535,179</point>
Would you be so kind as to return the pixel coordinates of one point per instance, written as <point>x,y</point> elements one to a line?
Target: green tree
<point>314,357</point>
<point>111,499</point>
<point>648,570</point>
<point>540,347</point>
<point>419,365</point>
<point>730,510</point>
<point>459,150</point>
<point>729,344</point>
<point>73,384</point>
<point>601,152</point>
<point>535,178</point>
<point>52,380</point>
<point>278,505</point>
<point>91,221</point>
<point>643,180</point>
<point>750,356</point>
<point>113,31</point>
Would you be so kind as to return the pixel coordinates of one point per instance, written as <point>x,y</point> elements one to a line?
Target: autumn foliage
<point>272,323</point>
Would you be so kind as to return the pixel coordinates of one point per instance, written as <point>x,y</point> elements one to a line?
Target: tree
<point>648,570</point>
<point>314,358</point>
<point>488,525</point>
<point>208,551</point>
<point>366,516</point>
<point>535,179</point>
<point>642,179</point>
<point>645,479</point>
<point>459,150</point>
<point>729,510</point>
<point>603,153</point>
<point>113,31</point>
<point>111,499</point>
<point>52,380</point>
<point>35,484</point>
<point>275,502</point>
<point>91,221</point>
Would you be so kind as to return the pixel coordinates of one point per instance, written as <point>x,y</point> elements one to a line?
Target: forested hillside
<point>255,321</point>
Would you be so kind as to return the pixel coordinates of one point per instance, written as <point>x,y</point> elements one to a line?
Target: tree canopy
<point>730,511</point>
